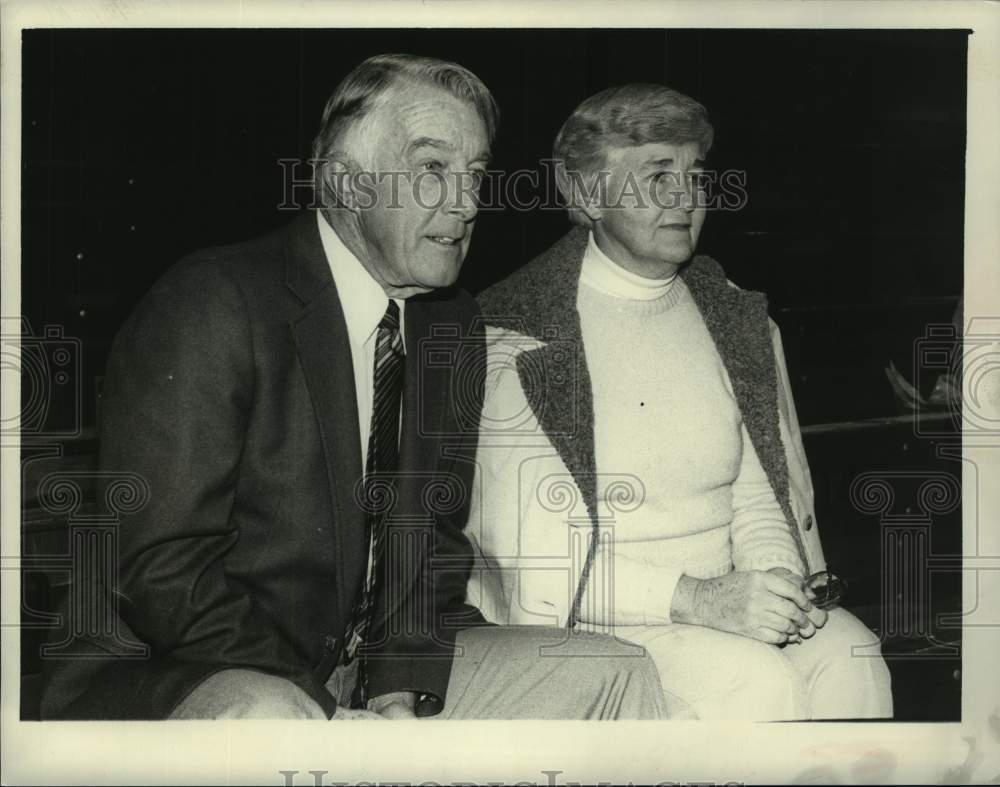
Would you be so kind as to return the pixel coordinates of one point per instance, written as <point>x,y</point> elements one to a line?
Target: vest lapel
<point>541,302</point>
<point>738,323</point>
<point>556,383</point>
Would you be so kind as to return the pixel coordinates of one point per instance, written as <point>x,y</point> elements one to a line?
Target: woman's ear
<point>582,193</point>
<point>590,206</point>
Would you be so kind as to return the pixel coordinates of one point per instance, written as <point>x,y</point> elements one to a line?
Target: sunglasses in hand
<point>824,589</point>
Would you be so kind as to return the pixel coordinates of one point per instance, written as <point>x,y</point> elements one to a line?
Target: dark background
<point>142,145</point>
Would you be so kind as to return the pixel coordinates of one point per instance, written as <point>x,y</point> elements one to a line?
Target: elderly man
<point>301,555</point>
<point>640,466</point>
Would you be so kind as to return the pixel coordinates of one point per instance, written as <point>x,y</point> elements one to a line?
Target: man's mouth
<point>444,240</point>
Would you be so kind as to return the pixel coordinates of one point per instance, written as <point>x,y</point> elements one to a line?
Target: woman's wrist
<point>683,606</point>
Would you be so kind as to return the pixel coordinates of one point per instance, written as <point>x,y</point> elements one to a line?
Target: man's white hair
<point>353,108</point>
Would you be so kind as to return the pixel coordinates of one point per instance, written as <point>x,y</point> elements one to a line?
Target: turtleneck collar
<point>601,273</point>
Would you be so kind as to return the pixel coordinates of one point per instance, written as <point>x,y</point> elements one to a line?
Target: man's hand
<point>397,705</point>
<point>759,604</point>
<point>354,714</point>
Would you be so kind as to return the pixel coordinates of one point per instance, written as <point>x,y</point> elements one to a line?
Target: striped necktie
<point>383,456</point>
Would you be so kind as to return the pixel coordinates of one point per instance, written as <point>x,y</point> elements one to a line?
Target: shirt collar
<point>361,297</point>
<point>605,275</point>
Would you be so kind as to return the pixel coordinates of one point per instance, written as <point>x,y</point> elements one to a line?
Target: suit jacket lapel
<point>320,335</point>
<point>425,384</point>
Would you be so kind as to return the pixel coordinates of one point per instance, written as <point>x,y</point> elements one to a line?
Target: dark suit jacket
<point>230,390</point>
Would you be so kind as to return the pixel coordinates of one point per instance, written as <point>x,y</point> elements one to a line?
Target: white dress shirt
<point>364,303</point>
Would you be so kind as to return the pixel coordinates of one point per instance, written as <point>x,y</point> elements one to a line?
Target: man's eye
<point>432,166</point>
<point>477,176</point>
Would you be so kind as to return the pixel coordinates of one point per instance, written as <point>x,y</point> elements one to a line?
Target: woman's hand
<point>764,605</point>
<point>817,617</point>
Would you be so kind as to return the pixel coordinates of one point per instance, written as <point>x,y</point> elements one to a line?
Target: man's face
<point>428,150</point>
<point>650,221</point>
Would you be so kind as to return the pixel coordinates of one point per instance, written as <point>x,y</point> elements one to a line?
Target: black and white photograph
<point>444,364</point>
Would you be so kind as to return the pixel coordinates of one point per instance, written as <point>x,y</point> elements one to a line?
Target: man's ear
<point>339,182</point>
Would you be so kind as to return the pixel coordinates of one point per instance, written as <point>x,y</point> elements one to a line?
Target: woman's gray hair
<point>369,85</point>
<point>623,116</point>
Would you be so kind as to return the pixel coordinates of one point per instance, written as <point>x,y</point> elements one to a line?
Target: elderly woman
<point>640,469</point>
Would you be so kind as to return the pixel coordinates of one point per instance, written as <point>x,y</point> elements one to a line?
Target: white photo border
<point>537,752</point>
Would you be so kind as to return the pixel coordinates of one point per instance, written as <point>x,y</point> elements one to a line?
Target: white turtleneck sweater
<point>667,425</point>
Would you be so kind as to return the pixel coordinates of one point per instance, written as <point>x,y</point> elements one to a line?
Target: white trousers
<point>838,673</point>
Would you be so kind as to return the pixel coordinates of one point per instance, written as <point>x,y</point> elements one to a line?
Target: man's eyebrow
<point>428,142</point>
<point>440,144</point>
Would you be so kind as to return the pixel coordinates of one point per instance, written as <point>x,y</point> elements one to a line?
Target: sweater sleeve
<point>761,537</point>
<point>642,595</point>
<point>634,593</point>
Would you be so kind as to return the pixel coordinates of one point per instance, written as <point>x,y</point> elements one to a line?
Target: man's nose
<point>462,197</point>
